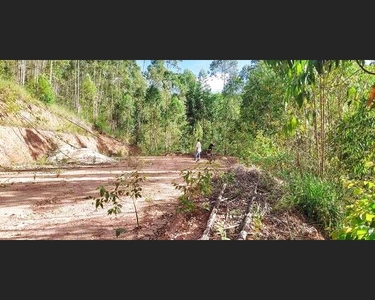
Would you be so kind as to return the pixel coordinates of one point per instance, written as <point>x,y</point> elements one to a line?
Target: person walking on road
<point>198,150</point>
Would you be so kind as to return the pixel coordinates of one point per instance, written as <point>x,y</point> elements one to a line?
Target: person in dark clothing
<point>209,152</point>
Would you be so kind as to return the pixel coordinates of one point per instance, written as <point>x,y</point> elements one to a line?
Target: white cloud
<point>216,83</point>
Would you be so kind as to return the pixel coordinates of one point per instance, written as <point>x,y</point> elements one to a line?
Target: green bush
<point>43,90</point>
<point>197,184</point>
<point>101,125</point>
<point>352,143</point>
<point>319,200</point>
<point>265,153</point>
<point>359,222</point>
<point>10,92</point>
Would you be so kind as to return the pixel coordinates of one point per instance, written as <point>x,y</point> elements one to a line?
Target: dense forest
<point>309,123</point>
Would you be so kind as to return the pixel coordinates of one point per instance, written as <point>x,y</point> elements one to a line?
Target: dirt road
<point>56,203</point>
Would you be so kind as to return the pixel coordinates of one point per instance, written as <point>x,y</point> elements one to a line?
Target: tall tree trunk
<point>75,85</point>
<point>166,123</point>
<point>152,132</point>
<point>43,65</point>
<point>98,98</point>
<point>322,120</point>
<point>16,68</point>
<point>76,88</point>
<point>50,72</point>
<point>112,104</point>
<point>223,72</point>
<point>36,70</point>
<point>22,72</point>
<point>316,135</point>
<point>94,100</point>
<point>323,124</point>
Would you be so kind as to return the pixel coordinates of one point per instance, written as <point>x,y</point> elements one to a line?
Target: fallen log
<point>212,217</point>
<point>243,233</point>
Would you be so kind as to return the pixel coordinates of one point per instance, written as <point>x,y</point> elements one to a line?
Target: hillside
<point>31,131</point>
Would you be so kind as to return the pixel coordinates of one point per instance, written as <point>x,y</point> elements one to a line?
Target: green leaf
<point>351,92</point>
<point>360,233</point>
<point>119,231</point>
<point>293,122</point>
<point>369,217</point>
<point>298,68</point>
<point>350,185</point>
<point>357,191</point>
<point>102,191</point>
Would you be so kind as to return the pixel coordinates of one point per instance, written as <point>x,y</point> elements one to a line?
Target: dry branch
<point>243,233</point>
<point>212,217</point>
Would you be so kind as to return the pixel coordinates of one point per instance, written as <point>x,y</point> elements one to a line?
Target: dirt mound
<point>31,131</point>
<point>19,146</point>
<point>68,154</point>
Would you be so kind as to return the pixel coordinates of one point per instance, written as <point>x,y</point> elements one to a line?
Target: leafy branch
<point>125,186</point>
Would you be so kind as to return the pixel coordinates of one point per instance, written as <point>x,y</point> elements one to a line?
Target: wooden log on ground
<point>243,233</point>
<point>212,217</point>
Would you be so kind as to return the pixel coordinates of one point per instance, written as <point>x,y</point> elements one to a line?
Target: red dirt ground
<point>57,204</point>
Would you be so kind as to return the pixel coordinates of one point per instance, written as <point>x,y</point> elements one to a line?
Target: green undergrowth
<point>19,107</point>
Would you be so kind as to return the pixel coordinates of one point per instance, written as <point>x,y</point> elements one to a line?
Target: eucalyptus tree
<point>166,85</point>
<point>262,107</point>
<point>319,88</point>
<point>226,68</point>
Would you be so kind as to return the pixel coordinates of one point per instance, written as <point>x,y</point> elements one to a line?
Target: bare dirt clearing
<point>57,204</point>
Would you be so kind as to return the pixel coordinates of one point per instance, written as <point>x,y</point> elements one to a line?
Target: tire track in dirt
<point>56,203</point>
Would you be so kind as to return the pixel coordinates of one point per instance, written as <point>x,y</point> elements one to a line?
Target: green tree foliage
<point>164,114</point>
<point>125,186</point>
<point>263,102</point>
<point>225,68</point>
<point>359,221</point>
<point>197,185</point>
<point>5,69</point>
<point>353,143</point>
<point>43,90</point>
<point>151,129</point>
<point>89,95</point>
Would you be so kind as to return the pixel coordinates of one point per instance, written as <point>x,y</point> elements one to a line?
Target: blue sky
<point>216,83</point>
<point>195,66</point>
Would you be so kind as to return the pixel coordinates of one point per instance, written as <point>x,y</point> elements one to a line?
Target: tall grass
<point>318,199</point>
<point>15,98</point>
<point>10,92</point>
